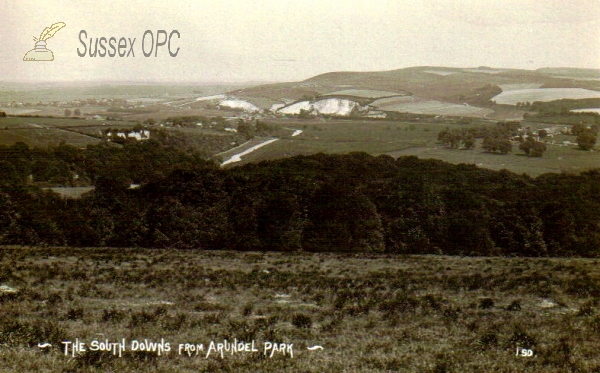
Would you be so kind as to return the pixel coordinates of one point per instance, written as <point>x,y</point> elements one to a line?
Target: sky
<point>231,41</point>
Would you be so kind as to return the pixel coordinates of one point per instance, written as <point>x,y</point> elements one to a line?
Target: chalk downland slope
<point>439,86</point>
<point>512,97</point>
<point>328,106</point>
<point>239,105</point>
<point>410,104</point>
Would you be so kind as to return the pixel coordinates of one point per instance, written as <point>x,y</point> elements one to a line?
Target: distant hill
<point>464,86</point>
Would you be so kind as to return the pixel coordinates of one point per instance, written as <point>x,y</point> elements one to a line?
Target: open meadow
<point>368,313</point>
<point>399,138</point>
<point>41,131</point>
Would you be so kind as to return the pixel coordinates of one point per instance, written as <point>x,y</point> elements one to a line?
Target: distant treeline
<point>353,202</point>
<point>564,106</point>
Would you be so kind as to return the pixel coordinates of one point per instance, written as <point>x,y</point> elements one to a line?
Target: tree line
<point>354,202</point>
<point>496,139</point>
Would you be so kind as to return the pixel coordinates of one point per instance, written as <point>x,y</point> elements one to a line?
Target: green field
<point>420,139</point>
<point>370,314</point>
<point>51,131</point>
<point>543,94</point>
<point>342,136</point>
<point>396,138</point>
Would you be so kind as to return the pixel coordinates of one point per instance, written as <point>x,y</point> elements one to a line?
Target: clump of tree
<point>586,139</point>
<point>532,147</point>
<point>479,96</point>
<point>250,129</point>
<point>457,138</point>
<point>579,128</point>
<point>563,106</point>
<point>497,139</point>
<point>246,129</point>
<point>305,114</point>
<point>496,144</point>
<point>586,135</point>
<point>191,120</point>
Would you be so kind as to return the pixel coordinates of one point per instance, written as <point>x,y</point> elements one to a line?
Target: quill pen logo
<point>40,52</point>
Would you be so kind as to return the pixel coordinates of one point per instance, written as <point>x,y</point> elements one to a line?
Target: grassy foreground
<point>369,313</point>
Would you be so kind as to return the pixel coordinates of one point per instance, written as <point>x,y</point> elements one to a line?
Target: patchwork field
<point>415,105</point>
<point>557,158</point>
<point>518,86</point>
<point>367,314</point>
<point>511,97</point>
<point>44,136</point>
<point>342,136</point>
<point>51,131</point>
<point>415,138</point>
<point>365,93</point>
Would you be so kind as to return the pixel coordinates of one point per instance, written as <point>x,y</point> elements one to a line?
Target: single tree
<point>68,112</point>
<point>586,140</point>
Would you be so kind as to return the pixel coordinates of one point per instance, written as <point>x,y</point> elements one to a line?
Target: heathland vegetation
<point>370,313</point>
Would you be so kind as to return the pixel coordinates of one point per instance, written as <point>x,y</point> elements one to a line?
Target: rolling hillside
<point>436,87</point>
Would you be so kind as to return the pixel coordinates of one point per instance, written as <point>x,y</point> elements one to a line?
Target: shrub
<point>486,303</point>
<point>520,338</point>
<point>587,309</point>
<point>431,301</point>
<point>74,313</point>
<point>112,315</point>
<point>247,311</point>
<point>515,305</point>
<point>488,339</point>
<point>301,321</point>
<point>175,322</point>
<point>142,318</point>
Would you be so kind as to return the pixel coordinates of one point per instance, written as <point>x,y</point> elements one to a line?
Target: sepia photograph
<point>301,186</point>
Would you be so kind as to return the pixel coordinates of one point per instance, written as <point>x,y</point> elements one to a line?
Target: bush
<point>515,305</point>
<point>488,340</point>
<point>302,321</point>
<point>587,309</point>
<point>586,139</point>
<point>486,303</point>
<point>112,315</point>
<point>520,338</point>
<point>74,313</point>
<point>247,311</point>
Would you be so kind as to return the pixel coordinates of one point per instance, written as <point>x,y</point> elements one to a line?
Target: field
<point>418,106</point>
<point>364,93</point>
<point>418,138</point>
<point>369,314</point>
<point>518,86</point>
<point>241,150</point>
<point>342,136</point>
<point>542,94</point>
<point>76,91</point>
<point>557,158</point>
<point>51,131</point>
